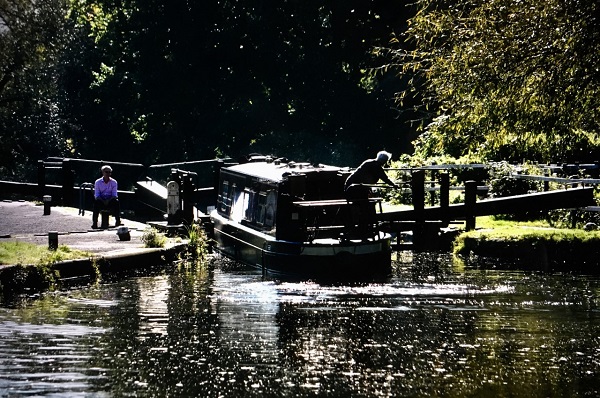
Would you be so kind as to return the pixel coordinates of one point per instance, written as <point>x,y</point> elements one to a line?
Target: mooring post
<point>47,200</point>
<point>174,199</point>
<point>445,197</point>
<point>470,201</point>
<point>52,240</point>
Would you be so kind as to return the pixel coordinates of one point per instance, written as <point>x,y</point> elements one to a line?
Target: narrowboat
<point>292,219</point>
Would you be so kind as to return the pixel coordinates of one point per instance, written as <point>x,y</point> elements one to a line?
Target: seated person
<point>106,197</point>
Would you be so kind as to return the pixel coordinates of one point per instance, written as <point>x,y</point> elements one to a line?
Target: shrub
<point>152,238</point>
<point>198,241</point>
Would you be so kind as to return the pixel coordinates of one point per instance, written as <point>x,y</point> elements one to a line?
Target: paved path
<point>25,221</point>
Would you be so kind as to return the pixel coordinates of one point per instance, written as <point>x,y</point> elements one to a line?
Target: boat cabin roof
<point>277,171</point>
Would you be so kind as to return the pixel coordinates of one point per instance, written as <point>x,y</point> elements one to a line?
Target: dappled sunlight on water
<point>434,329</point>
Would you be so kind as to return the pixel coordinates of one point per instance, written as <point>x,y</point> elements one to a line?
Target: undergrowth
<point>197,242</point>
<point>152,238</point>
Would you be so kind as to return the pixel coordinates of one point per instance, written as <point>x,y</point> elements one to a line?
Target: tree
<point>173,80</point>
<point>507,79</point>
<point>31,39</point>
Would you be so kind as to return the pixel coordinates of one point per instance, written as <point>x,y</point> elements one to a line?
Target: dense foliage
<point>159,81</point>
<point>507,79</point>
<point>32,35</point>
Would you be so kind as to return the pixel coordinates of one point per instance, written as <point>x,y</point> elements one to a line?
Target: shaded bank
<point>15,279</point>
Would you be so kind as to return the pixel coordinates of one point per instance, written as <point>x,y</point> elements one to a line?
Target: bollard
<point>52,240</point>
<point>173,203</point>
<point>47,199</point>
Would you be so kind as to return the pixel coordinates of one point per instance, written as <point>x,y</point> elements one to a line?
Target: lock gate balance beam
<point>559,199</point>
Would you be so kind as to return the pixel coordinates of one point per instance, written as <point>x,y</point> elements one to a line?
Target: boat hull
<point>329,258</point>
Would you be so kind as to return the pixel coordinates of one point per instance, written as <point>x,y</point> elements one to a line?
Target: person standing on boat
<point>106,197</point>
<point>369,172</point>
<point>357,189</point>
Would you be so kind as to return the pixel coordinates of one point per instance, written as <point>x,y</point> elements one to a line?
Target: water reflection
<point>153,309</point>
<point>44,351</point>
<point>432,330</point>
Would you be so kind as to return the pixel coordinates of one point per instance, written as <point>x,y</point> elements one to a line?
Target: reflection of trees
<point>158,321</point>
<point>215,333</point>
<point>45,343</point>
<point>115,354</point>
<point>178,338</point>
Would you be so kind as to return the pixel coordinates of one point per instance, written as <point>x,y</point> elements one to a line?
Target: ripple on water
<point>441,333</point>
<point>50,354</point>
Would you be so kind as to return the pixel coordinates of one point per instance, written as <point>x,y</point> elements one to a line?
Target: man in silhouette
<point>357,189</point>
<point>369,172</point>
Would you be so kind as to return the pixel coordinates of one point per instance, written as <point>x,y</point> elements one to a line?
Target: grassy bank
<point>29,254</point>
<point>534,242</point>
<point>33,266</point>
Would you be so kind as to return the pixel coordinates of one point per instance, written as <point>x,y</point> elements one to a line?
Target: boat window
<point>270,208</point>
<point>250,206</point>
<point>224,197</point>
<point>240,204</point>
<point>261,208</point>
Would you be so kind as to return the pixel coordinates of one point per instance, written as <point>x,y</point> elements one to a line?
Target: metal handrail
<point>82,188</point>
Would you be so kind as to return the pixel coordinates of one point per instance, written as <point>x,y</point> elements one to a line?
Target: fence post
<point>470,200</point>
<point>418,201</point>
<point>68,182</point>
<point>432,185</point>
<point>445,197</point>
<point>188,198</point>
<point>41,178</point>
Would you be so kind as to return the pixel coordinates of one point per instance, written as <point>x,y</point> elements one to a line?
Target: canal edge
<point>19,278</point>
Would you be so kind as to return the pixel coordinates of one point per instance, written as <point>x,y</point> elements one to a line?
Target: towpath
<point>26,222</point>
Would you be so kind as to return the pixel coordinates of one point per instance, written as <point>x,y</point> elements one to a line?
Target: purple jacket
<point>105,191</point>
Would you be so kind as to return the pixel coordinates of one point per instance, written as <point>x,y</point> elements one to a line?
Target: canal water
<point>436,329</point>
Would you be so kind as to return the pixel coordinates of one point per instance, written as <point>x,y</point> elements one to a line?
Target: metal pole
<point>418,200</point>
<point>445,197</point>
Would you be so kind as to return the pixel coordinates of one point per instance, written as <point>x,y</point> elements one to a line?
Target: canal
<point>435,329</point>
